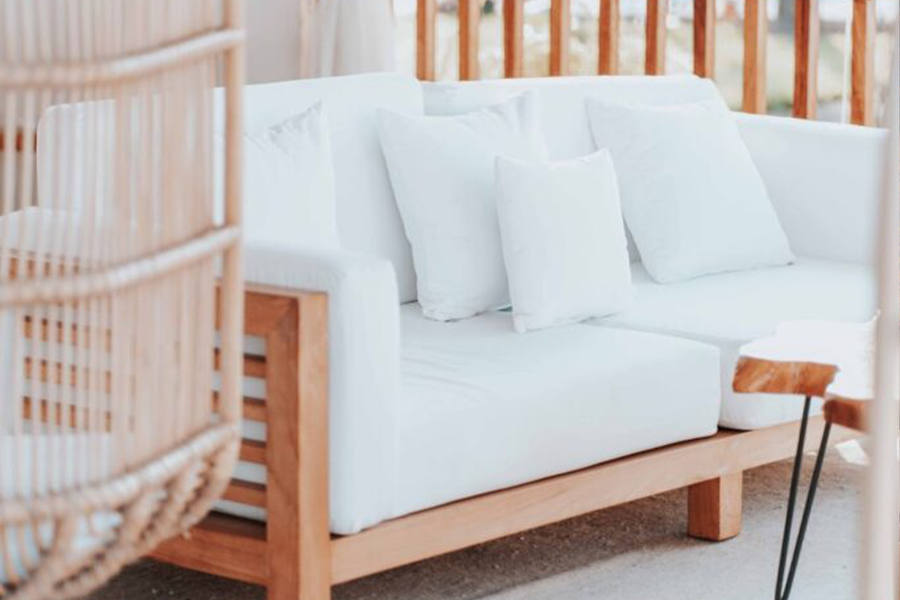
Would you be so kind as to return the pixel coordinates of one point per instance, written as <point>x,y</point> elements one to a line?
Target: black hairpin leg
<point>784,593</point>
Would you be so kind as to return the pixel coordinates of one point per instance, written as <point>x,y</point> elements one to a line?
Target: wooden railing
<point>755,42</point>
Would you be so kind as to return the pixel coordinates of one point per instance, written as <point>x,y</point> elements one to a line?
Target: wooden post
<point>513,25</point>
<point>655,59</point>
<point>426,14</point>
<point>560,26</point>
<point>756,30</point>
<point>806,58</point>
<point>469,23</point>
<point>705,38</point>
<point>862,71</point>
<point>714,508</point>
<point>298,542</point>
<point>609,37</point>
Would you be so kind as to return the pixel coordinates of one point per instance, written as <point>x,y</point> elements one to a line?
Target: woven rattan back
<point>113,262</point>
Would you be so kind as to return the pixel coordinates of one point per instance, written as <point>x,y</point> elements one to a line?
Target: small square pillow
<point>691,195</point>
<point>563,240</point>
<point>442,172</point>
<point>289,192</point>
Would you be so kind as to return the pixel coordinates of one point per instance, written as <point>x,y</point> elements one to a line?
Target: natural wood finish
<point>498,514</point>
<point>297,453</point>
<point>253,366</point>
<point>608,61</point>
<point>714,507</point>
<point>705,38</point>
<point>68,415</point>
<point>756,32</point>
<point>862,66</point>
<point>426,16</point>
<point>853,414</point>
<point>253,451</point>
<point>761,376</point>
<point>806,58</point>
<point>513,30</point>
<point>560,27</point>
<point>19,144</point>
<point>246,492</point>
<point>56,332</point>
<point>655,57</point>
<point>254,408</point>
<point>469,38</point>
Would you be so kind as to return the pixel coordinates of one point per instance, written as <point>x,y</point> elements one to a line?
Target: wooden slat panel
<point>862,70</point>
<point>655,58</point>
<point>222,545</point>
<point>47,332</point>
<point>491,516</point>
<point>68,415</point>
<point>705,38</point>
<point>560,27</point>
<point>246,492</point>
<point>53,372</point>
<point>253,451</point>
<point>609,37</point>
<point>806,58</point>
<point>426,13</point>
<point>19,141</point>
<point>513,31</point>
<point>254,408</point>
<point>254,366</point>
<point>756,31</point>
<point>469,23</point>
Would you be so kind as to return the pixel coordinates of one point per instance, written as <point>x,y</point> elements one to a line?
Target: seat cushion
<point>485,408</point>
<point>731,309</point>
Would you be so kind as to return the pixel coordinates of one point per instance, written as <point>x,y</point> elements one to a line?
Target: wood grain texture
<point>756,32</point>
<point>761,376</point>
<point>705,38</point>
<point>806,58</point>
<point>469,39</point>
<point>513,31</point>
<point>608,61</point>
<point>246,492</point>
<point>853,414</point>
<point>862,63</point>
<point>655,57</point>
<point>426,15</point>
<point>18,143</point>
<point>714,507</point>
<point>560,27</point>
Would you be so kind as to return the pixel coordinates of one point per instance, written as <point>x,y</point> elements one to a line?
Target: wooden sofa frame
<point>300,560</point>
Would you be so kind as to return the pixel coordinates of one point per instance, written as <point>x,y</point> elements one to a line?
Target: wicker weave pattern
<point>109,261</point>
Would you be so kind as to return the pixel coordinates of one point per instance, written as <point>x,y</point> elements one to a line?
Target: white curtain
<point>352,36</point>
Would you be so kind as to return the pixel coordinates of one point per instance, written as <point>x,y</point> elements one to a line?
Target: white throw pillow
<point>442,172</point>
<point>289,196</point>
<point>563,240</point>
<point>691,195</point>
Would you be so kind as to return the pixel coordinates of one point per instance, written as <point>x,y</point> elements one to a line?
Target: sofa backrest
<point>368,221</point>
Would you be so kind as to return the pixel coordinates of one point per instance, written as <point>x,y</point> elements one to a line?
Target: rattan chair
<point>113,261</point>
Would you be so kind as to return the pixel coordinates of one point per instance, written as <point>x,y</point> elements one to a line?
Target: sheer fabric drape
<point>351,36</point>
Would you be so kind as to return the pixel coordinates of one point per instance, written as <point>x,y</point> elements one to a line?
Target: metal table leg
<point>784,593</point>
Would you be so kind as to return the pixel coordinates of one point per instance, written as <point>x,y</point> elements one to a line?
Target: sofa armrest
<point>824,181</point>
<point>364,369</point>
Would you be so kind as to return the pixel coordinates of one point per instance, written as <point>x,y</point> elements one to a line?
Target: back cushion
<point>368,221</point>
<point>563,115</point>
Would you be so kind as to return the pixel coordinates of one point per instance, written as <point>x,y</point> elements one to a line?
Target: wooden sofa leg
<point>298,542</point>
<point>714,508</point>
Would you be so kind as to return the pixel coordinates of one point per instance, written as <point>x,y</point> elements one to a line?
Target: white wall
<point>273,40</point>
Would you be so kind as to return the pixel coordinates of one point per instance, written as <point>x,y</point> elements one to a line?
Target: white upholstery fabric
<point>823,180</point>
<point>364,365</point>
<point>484,408</point>
<point>368,221</point>
<point>731,309</point>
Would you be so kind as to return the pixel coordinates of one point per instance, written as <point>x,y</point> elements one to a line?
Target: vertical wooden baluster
<point>862,71</point>
<point>806,58</point>
<point>655,60</point>
<point>609,37</point>
<point>469,21</point>
<point>756,30</point>
<point>426,14</point>
<point>513,25</point>
<point>705,38</point>
<point>560,26</point>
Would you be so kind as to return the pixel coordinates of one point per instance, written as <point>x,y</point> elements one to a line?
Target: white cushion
<point>563,240</point>
<point>288,182</point>
<point>732,309</point>
<point>368,221</point>
<point>691,195</point>
<point>484,408</point>
<point>442,171</point>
